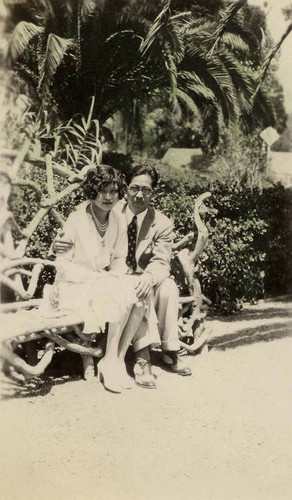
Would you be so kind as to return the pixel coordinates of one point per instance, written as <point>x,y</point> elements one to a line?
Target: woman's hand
<point>60,245</point>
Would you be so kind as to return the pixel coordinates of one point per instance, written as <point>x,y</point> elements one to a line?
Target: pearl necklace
<point>101,227</point>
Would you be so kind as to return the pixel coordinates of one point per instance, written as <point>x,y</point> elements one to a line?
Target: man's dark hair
<point>99,177</point>
<point>142,170</point>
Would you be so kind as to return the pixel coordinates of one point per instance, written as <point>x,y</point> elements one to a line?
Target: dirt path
<point>222,434</point>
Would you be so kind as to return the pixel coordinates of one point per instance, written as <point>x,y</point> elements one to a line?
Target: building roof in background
<point>183,157</point>
<point>190,158</point>
<point>280,167</point>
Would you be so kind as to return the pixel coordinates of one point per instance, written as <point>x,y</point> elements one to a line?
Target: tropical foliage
<point>197,66</point>
<point>201,55</point>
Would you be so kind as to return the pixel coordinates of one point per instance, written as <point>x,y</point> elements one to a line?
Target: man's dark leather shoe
<point>143,374</point>
<point>176,363</point>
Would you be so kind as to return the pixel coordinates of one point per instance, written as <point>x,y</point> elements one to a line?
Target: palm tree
<point>124,51</point>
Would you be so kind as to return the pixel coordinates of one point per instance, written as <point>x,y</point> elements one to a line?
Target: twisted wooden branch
<point>58,217</point>
<point>46,206</point>
<point>63,172</point>
<point>20,158</point>
<point>25,261</point>
<point>74,347</point>
<point>183,242</point>
<point>17,306</point>
<point>37,269</point>
<point>188,260</point>
<point>21,366</point>
<point>50,176</point>
<point>16,287</point>
<point>202,228</point>
<point>14,271</point>
<point>30,184</point>
<point>198,342</point>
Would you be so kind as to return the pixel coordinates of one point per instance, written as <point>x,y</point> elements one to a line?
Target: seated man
<point>150,237</point>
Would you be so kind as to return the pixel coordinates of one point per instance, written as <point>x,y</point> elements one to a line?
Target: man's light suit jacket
<point>154,243</point>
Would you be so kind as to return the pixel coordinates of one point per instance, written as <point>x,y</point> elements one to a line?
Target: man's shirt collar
<point>140,217</point>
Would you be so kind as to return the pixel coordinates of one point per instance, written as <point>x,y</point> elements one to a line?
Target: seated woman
<point>91,277</point>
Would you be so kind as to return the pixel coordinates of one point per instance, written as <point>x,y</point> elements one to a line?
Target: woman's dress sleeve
<point>118,265</point>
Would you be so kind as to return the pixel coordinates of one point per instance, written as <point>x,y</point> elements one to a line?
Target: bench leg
<point>88,367</point>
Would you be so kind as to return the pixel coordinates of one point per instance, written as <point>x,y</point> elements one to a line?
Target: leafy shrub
<point>233,264</point>
<point>249,254</point>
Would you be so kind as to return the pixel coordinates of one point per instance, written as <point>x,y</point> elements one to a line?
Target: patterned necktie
<point>132,237</point>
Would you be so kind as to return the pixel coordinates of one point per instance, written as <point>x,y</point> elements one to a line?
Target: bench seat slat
<point>27,322</point>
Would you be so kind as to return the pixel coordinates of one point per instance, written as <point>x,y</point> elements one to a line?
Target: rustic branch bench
<point>22,322</point>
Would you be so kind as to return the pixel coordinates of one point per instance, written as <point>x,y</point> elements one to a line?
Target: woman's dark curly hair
<point>99,177</point>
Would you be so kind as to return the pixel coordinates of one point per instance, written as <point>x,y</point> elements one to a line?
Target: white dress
<point>91,277</point>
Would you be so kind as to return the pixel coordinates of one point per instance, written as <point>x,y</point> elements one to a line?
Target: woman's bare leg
<point>136,316</point>
<point>115,332</point>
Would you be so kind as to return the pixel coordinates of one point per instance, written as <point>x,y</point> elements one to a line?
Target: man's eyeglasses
<point>133,190</point>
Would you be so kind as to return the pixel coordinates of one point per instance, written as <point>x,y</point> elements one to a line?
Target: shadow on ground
<point>65,367</point>
<point>250,336</point>
<point>257,314</point>
<point>246,328</point>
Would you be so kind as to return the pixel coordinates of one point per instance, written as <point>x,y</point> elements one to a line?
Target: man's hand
<point>60,245</point>
<point>144,286</point>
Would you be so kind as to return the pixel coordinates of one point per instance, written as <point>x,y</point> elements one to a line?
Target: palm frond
<point>211,118</point>
<point>188,101</point>
<point>22,35</point>
<point>159,24</point>
<point>27,74</point>
<point>182,17</point>
<point>118,34</point>
<point>224,88</point>
<point>265,66</point>
<point>198,28</point>
<point>81,137</point>
<point>241,79</point>
<point>176,43</point>
<point>172,72</point>
<point>262,113</point>
<point>226,16</point>
<point>190,81</point>
<point>235,42</point>
<point>216,77</point>
<point>56,48</point>
<point>265,108</point>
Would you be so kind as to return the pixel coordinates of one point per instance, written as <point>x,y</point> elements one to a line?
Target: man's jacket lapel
<point>146,232</point>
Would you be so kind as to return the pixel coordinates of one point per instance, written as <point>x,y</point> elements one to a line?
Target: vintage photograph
<point>146,249</point>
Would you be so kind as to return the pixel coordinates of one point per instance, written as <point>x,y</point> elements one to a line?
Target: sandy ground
<point>222,434</point>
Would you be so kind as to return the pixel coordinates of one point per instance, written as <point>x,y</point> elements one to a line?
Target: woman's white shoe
<point>109,376</point>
